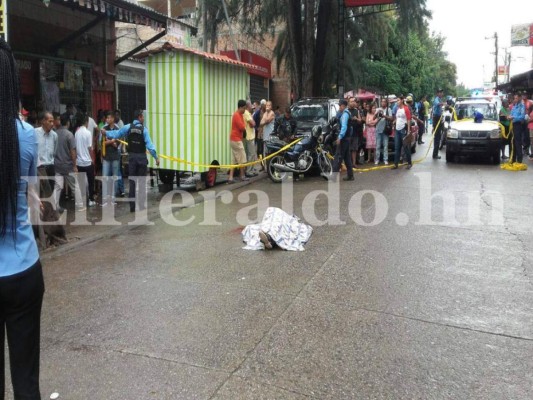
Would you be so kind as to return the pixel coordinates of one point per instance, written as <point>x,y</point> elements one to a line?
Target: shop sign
<point>263,66</point>
<point>134,76</point>
<point>522,35</point>
<point>27,71</point>
<point>3,19</point>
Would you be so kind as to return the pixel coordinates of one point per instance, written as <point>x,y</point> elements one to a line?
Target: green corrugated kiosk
<point>190,99</point>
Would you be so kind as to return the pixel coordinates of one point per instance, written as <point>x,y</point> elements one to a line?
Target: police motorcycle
<point>300,158</point>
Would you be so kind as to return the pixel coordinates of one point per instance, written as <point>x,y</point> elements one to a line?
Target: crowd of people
<point>252,124</point>
<point>517,109</point>
<point>73,142</point>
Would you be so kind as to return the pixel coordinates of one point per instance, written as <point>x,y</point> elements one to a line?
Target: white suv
<point>472,135</point>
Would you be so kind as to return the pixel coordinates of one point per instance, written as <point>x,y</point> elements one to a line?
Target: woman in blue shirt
<point>21,277</point>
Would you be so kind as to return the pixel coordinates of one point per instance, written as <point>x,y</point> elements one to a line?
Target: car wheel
<point>274,174</point>
<point>450,157</point>
<point>167,176</point>
<point>325,165</point>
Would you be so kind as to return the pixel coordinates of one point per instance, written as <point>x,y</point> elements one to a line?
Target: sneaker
<point>264,239</point>
<point>386,163</point>
<point>81,208</point>
<point>348,178</point>
<point>376,162</point>
<point>244,179</point>
<point>92,203</point>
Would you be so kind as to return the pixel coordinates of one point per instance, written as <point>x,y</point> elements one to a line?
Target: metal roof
<point>209,56</point>
<point>131,5</point>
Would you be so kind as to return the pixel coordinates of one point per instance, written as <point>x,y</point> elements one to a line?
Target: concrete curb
<point>153,215</point>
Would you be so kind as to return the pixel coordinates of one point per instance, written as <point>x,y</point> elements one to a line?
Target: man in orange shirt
<point>238,155</point>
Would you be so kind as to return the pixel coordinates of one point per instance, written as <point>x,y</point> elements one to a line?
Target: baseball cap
<point>25,112</point>
<point>263,102</point>
<point>440,90</point>
<point>409,99</point>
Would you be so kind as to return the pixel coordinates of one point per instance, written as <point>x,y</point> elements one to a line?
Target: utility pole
<point>495,37</point>
<point>496,59</point>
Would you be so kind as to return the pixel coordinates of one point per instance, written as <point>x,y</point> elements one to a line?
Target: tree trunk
<point>294,27</point>
<point>323,24</point>
<point>308,48</point>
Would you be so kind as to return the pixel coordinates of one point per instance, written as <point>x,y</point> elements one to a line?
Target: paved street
<point>416,311</point>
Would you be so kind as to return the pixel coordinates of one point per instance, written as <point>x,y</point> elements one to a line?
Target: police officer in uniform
<point>285,126</point>
<point>139,141</point>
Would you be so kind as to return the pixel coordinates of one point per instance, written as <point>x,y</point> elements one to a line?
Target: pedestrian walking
<point>403,129</point>
<point>518,119</point>
<point>111,162</point>
<point>249,140</point>
<point>437,127</point>
<point>383,130</point>
<point>343,143</point>
<point>258,116</point>
<point>65,161</point>
<point>84,161</point>
<point>505,111</point>
<point>139,141</point>
<point>21,277</point>
<point>238,129</point>
<point>371,122</point>
<point>47,139</point>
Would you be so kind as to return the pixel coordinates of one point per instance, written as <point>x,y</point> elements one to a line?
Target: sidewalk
<point>80,235</point>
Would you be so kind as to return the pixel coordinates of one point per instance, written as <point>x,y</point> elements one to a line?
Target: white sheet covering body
<point>285,230</point>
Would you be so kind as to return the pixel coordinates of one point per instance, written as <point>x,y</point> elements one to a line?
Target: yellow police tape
<point>226,166</point>
<point>512,166</point>
<point>508,166</point>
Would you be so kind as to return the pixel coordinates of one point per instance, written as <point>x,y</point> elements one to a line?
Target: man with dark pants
<point>518,118</point>
<point>343,143</point>
<point>437,127</point>
<point>139,141</point>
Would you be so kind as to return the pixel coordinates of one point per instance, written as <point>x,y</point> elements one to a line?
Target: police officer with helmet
<point>139,141</point>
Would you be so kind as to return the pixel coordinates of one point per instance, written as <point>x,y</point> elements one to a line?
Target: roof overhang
<point>171,47</point>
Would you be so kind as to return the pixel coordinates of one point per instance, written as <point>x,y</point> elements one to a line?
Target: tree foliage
<point>389,52</point>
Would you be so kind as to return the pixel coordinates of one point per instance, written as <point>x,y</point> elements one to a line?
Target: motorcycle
<point>300,158</point>
<point>330,138</point>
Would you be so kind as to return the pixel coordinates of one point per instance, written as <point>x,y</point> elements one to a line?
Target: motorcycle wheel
<point>325,165</point>
<point>273,173</point>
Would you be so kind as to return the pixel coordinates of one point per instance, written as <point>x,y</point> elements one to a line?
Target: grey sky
<point>466,23</point>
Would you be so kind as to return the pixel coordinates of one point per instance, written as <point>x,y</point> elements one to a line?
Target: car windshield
<point>467,110</point>
<point>310,112</point>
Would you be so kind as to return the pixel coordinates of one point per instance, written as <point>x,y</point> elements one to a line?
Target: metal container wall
<point>190,102</point>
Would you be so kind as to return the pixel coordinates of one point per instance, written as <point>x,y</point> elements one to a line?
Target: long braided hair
<point>9,144</point>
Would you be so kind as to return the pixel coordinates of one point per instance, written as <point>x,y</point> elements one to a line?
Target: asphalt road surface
<point>405,309</point>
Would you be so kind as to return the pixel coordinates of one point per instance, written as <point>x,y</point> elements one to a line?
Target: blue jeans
<point>382,141</point>
<point>398,145</point>
<point>110,172</point>
<point>120,183</point>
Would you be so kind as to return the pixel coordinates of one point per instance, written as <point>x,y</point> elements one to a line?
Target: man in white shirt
<point>47,141</point>
<point>84,161</point>
<point>249,142</point>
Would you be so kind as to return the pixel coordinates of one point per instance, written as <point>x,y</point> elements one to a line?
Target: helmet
<point>316,131</point>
